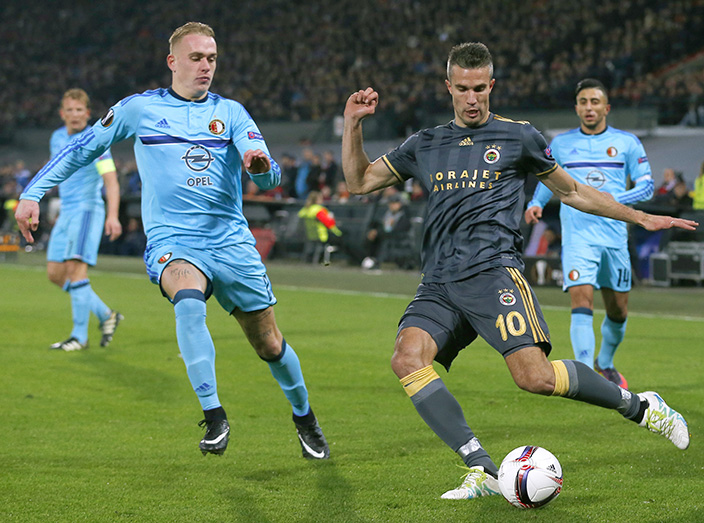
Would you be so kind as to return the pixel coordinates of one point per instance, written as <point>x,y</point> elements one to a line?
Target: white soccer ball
<point>368,263</point>
<point>530,477</point>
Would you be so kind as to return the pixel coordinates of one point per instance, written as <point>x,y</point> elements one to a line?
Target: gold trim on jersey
<point>504,119</point>
<point>552,169</point>
<point>391,168</point>
<point>466,141</point>
<point>524,289</point>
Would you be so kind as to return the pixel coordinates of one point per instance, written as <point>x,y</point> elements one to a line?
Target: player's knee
<point>406,360</point>
<point>262,332</point>
<point>57,276</point>
<point>268,347</point>
<point>267,351</point>
<point>56,279</point>
<point>618,316</point>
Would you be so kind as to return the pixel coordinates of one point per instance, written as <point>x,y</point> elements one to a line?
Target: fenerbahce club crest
<point>492,154</point>
<point>506,297</point>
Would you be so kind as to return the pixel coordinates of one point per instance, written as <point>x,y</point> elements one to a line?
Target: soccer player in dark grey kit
<point>474,169</point>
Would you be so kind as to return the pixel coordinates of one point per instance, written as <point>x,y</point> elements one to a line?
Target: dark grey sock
<point>589,387</point>
<point>440,410</point>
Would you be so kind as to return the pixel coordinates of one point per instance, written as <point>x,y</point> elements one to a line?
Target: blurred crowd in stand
<point>15,176</point>
<point>390,223</point>
<point>290,61</point>
<point>309,172</point>
<point>676,193</point>
<point>318,172</point>
<point>287,61</point>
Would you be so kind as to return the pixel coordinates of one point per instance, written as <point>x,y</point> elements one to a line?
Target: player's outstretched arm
<point>113,228</point>
<point>588,199</point>
<point>361,175</point>
<point>654,222</point>
<point>27,216</point>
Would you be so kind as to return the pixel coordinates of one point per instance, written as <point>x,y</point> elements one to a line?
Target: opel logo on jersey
<point>197,158</point>
<point>216,127</point>
<point>596,178</point>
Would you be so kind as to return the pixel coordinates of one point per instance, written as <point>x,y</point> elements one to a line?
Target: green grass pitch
<point>111,434</point>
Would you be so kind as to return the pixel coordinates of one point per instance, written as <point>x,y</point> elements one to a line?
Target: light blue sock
<point>80,309</point>
<point>196,345</point>
<point>582,335</point>
<point>97,307</point>
<point>286,369</point>
<point>612,333</point>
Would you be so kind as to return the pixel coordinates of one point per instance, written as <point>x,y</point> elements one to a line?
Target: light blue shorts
<point>76,236</point>
<point>597,266</point>
<point>236,275</point>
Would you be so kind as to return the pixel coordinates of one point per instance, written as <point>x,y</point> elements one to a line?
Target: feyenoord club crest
<point>573,275</point>
<point>166,257</point>
<point>612,151</point>
<point>216,126</point>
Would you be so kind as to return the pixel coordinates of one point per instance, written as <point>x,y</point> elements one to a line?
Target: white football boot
<point>475,484</point>
<point>663,420</point>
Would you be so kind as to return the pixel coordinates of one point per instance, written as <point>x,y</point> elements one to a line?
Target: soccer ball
<point>530,477</point>
<point>368,263</point>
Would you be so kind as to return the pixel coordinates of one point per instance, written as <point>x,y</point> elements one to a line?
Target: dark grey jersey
<point>475,178</point>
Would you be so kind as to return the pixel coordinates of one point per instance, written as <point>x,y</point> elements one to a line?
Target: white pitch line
<point>323,290</point>
<point>410,296</point>
<point>696,319</point>
<point>634,314</point>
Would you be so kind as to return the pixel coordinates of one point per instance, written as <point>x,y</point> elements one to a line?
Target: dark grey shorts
<point>497,304</point>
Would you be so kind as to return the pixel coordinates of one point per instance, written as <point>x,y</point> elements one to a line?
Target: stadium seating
<point>285,61</point>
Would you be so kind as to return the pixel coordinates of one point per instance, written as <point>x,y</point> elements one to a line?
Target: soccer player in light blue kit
<point>75,238</point>
<point>190,147</point>
<point>594,248</point>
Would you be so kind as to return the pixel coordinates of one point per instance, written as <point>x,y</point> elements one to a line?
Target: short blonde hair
<point>189,28</point>
<point>76,94</point>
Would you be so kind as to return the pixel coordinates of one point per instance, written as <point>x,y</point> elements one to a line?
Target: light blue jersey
<point>189,155</point>
<point>603,161</point>
<point>83,190</point>
<point>77,233</point>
